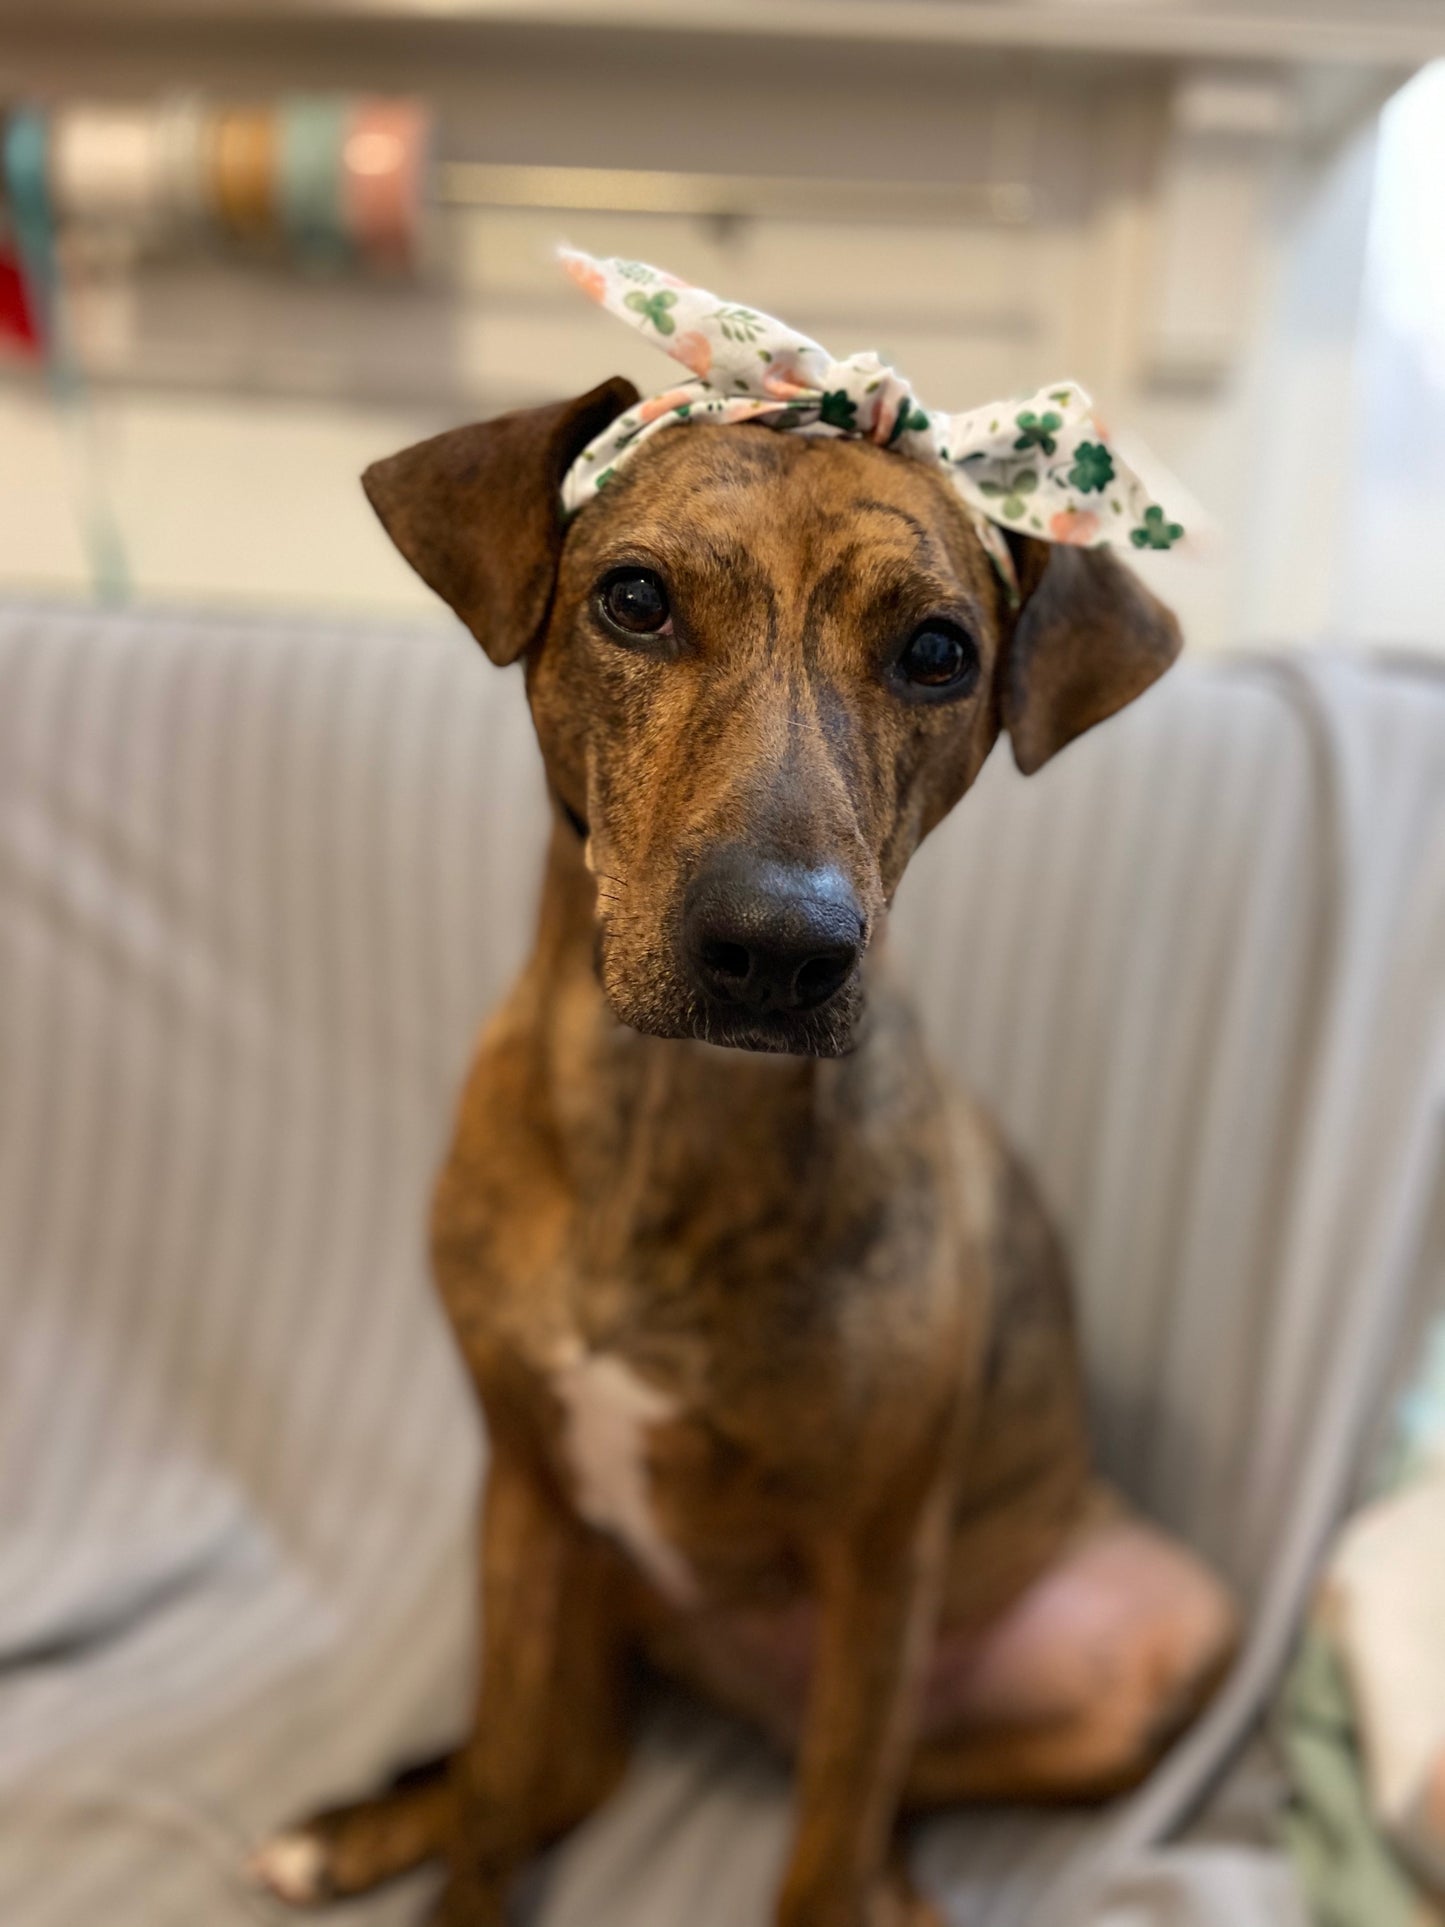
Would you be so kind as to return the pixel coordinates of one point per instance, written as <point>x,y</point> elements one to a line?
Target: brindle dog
<point>773,1342</point>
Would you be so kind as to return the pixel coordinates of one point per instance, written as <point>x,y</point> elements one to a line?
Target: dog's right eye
<point>634,603</point>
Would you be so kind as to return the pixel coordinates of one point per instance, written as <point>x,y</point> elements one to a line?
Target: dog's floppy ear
<point>476,512</point>
<point>1088,639</point>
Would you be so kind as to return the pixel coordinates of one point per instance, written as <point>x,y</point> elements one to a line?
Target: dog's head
<point>762,666</point>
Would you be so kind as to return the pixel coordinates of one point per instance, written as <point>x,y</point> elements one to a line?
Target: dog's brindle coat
<point>775,1351</point>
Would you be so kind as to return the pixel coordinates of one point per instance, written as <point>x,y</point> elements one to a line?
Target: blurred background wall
<point>1197,207</point>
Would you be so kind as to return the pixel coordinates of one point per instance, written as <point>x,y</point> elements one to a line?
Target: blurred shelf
<point>733,197</point>
<point>1386,33</point>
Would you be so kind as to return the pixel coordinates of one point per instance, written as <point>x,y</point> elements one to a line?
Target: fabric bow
<point>1043,467</point>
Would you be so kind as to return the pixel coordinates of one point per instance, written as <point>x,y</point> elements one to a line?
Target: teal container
<point>313,130</point>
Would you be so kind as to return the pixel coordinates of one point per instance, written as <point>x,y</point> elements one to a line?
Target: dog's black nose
<point>771,936</point>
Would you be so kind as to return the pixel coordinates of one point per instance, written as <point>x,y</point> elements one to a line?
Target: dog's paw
<point>292,1867</point>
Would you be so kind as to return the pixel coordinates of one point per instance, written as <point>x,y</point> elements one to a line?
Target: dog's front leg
<point>879,1584</point>
<point>550,1738</point>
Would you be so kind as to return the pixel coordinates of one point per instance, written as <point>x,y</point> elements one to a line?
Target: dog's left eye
<point>939,657</point>
<point>634,601</point>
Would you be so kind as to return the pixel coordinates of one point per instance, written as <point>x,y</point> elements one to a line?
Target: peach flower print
<point>589,278</point>
<point>782,382</point>
<point>693,351</point>
<point>744,408</point>
<point>1078,526</point>
<point>663,404</point>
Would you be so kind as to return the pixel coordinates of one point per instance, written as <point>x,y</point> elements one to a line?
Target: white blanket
<point>257,886</point>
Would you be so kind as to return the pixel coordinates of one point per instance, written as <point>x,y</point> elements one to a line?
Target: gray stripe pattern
<point>259,882</point>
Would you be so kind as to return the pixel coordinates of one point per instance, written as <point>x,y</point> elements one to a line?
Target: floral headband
<point>1043,467</point>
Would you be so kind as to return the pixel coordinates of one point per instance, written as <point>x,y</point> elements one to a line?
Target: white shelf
<point>1387,33</point>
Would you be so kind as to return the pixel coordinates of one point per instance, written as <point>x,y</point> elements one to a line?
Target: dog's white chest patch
<point>610,1412</point>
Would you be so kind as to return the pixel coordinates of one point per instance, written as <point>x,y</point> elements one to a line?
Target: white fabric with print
<point>1043,466</point>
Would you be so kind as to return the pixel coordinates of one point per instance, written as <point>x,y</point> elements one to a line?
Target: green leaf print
<point>654,307</point>
<point>738,324</point>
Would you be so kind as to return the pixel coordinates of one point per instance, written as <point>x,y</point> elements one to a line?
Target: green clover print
<point>1013,503</point>
<point>1093,467</point>
<point>654,307</point>
<point>1156,533</point>
<point>837,410</point>
<point>1037,431</point>
<point>911,419</point>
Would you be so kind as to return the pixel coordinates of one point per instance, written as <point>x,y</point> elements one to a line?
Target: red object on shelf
<point>17,323</point>
<point>385,161</point>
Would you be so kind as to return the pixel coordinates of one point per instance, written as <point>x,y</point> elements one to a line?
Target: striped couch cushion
<point>259,883</point>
